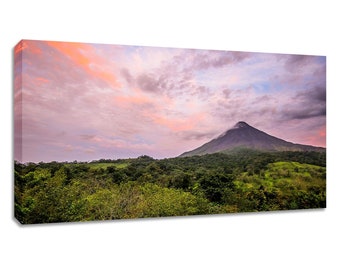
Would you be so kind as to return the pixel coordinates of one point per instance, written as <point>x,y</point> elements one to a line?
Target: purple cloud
<point>90,101</point>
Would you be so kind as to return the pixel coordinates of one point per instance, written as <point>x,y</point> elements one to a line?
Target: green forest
<point>239,181</point>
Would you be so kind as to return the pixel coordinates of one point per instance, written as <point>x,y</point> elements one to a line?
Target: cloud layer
<point>76,101</point>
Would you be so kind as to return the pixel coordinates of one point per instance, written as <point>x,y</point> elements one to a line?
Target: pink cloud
<point>131,100</point>
<point>317,138</point>
<point>177,125</point>
<point>122,101</point>
<point>84,56</point>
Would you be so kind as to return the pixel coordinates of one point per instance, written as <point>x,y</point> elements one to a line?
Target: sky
<point>82,101</point>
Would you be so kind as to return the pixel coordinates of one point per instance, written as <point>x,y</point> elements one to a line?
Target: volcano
<point>243,135</point>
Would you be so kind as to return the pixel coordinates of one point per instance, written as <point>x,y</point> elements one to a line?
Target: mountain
<point>243,135</point>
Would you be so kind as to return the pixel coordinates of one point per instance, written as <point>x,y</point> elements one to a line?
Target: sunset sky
<point>81,101</point>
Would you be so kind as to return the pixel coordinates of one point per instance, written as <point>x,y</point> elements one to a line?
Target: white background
<point>285,240</point>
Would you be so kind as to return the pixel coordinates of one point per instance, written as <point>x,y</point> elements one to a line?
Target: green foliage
<point>284,185</point>
<point>242,181</point>
<point>215,185</point>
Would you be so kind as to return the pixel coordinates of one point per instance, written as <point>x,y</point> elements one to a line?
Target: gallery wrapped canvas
<point>104,132</point>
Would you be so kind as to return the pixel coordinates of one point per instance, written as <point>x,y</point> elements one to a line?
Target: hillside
<point>242,181</point>
<point>243,135</point>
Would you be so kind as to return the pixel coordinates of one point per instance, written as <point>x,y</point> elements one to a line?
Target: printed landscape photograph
<point>106,132</point>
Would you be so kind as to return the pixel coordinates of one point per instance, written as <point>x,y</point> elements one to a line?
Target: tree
<point>214,185</point>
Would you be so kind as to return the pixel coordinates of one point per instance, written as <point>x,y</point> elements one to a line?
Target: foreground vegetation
<point>243,181</point>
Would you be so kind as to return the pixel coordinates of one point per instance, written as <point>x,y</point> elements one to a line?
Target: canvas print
<point>105,132</point>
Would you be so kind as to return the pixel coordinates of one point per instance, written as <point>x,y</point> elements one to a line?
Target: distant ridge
<point>242,135</point>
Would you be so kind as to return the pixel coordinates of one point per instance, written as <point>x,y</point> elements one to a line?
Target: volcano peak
<point>246,136</point>
<point>241,124</point>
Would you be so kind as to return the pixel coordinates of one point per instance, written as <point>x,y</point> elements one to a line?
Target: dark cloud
<point>294,63</point>
<point>226,93</point>
<point>148,83</point>
<point>307,104</point>
<point>87,137</point>
<point>295,59</point>
<point>127,75</point>
<point>171,83</point>
<point>176,77</point>
<point>262,99</point>
<point>317,94</point>
<point>160,83</point>
<point>304,113</point>
<point>213,59</point>
<point>202,90</point>
<point>197,135</point>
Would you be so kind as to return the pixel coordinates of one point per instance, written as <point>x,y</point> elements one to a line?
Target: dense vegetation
<point>241,181</point>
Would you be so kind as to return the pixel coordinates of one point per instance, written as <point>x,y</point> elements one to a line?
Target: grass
<point>102,165</point>
<point>105,165</point>
<point>285,175</point>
